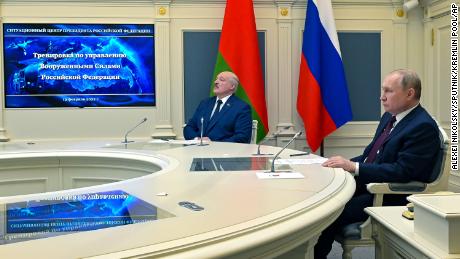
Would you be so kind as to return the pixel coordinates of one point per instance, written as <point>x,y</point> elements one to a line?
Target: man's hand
<point>340,162</point>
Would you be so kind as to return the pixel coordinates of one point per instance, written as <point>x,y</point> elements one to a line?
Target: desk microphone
<point>272,170</point>
<point>265,139</point>
<point>129,131</point>
<point>201,133</point>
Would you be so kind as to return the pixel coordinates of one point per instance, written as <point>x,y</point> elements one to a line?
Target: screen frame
<point>153,67</point>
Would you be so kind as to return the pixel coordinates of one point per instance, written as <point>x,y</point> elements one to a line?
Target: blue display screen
<point>68,214</point>
<point>78,65</point>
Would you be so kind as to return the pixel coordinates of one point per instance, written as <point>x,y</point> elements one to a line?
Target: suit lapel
<point>381,126</point>
<point>208,111</point>
<point>227,106</point>
<point>383,122</point>
<point>402,124</point>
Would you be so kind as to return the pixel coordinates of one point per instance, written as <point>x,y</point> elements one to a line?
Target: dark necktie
<point>379,142</point>
<point>217,110</point>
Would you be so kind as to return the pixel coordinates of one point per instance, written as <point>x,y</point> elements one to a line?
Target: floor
<point>336,253</point>
<point>357,253</point>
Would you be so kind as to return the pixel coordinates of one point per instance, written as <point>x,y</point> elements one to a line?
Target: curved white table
<point>243,216</point>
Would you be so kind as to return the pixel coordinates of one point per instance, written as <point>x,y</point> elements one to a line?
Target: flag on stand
<point>322,99</point>
<point>239,53</point>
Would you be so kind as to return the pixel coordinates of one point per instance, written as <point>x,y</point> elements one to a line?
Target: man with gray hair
<point>404,149</point>
<point>223,117</point>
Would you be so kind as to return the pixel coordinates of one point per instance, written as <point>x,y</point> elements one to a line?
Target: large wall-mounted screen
<point>78,65</point>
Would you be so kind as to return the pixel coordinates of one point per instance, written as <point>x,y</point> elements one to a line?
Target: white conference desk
<point>243,216</point>
<point>395,236</point>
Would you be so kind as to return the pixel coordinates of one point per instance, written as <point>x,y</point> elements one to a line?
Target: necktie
<point>379,142</point>
<point>217,110</point>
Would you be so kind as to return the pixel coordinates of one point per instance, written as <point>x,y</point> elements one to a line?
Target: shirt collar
<point>403,114</point>
<point>224,100</point>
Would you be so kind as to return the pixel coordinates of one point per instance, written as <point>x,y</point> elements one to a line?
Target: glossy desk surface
<point>243,215</point>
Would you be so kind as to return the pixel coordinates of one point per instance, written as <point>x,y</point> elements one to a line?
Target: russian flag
<point>322,100</point>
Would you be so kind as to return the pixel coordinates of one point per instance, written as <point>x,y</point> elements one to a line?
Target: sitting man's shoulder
<point>237,100</point>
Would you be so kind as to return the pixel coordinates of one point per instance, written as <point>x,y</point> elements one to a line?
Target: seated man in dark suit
<point>225,117</point>
<point>403,150</point>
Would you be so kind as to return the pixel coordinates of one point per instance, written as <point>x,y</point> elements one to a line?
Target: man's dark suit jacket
<point>232,124</point>
<point>407,154</point>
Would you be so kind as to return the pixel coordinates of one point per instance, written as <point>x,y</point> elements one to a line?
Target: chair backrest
<point>254,132</point>
<point>439,177</point>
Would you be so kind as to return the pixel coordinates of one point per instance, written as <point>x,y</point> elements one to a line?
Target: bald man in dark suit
<point>403,149</point>
<point>225,117</point>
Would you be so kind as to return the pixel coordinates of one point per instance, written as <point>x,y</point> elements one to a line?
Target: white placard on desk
<point>300,161</point>
<point>158,141</point>
<point>177,141</point>
<point>275,175</point>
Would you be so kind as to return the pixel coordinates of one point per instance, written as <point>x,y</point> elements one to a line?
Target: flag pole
<point>321,149</point>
